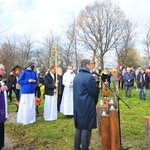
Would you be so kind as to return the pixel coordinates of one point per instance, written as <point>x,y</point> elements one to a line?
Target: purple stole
<point>2,107</point>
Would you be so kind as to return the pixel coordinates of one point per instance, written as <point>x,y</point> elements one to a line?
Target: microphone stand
<point>117,98</point>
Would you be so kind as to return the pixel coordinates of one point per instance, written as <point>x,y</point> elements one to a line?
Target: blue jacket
<point>128,76</point>
<point>26,86</point>
<point>85,97</point>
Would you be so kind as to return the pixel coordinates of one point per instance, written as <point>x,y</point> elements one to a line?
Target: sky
<point>37,16</point>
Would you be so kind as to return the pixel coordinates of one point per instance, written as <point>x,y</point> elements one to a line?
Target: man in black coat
<point>12,81</point>
<point>142,83</point>
<point>85,97</point>
<point>39,83</point>
<point>50,103</point>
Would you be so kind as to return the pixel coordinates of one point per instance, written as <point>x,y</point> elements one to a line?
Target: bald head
<point>2,70</point>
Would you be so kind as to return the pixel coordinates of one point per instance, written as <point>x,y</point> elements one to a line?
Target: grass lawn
<point>59,134</point>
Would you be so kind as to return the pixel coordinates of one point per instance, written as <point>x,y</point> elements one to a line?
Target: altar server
<point>27,80</point>
<point>50,105</point>
<point>66,106</point>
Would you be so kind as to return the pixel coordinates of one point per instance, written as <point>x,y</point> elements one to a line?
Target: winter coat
<point>12,80</point>
<point>139,84</point>
<point>23,80</point>
<point>128,76</point>
<point>49,84</point>
<point>85,97</point>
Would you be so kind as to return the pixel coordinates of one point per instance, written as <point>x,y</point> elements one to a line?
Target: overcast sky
<point>37,16</point>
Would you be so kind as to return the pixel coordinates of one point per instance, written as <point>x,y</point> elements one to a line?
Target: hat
<point>30,64</point>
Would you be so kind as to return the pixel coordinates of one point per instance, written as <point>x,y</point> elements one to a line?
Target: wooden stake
<point>105,132</point>
<point>114,130</point>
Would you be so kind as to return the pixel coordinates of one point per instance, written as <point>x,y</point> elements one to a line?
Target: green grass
<point>59,134</point>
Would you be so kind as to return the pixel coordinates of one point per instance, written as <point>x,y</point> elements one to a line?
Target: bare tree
<point>125,43</point>
<point>101,24</point>
<point>69,44</point>
<point>9,54</point>
<point>146,43</point>
<point>26,45</point>
<point>49,40</point>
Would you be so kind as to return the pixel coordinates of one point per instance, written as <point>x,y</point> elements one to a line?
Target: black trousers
<point>10,93</point>
<point>82,139</point>
<point>59,101</point>
<point>1,135</point>
<point>38,92</point>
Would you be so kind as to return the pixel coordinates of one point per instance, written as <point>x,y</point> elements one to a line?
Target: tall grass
<point>59,134</point>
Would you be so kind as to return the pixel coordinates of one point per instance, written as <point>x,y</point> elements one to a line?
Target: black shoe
<point>71,116</point>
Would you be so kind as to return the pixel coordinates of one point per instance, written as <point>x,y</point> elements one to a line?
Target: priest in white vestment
<point>27,79</point>
<point>66,106</point>
<point>50,105</point>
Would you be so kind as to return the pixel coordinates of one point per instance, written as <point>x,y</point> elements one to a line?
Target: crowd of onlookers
<point>124,79</point>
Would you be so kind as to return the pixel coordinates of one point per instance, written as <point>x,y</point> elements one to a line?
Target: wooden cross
<point>56,51</point>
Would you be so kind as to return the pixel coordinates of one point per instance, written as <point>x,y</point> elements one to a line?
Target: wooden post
<point>147,123</point>
<point>56,51</point>
<point>114,130</point>
<point>105,132</point>
<point>100,109</point>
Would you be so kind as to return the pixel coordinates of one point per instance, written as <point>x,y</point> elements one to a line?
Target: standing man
<point>60,88</point>
<point>85,96</point>
<point>3,105</point>
<point>50,105</point>
<point>128,82</point>
<point>39,83</point>
<point>66,106</point>
<point>27,80</point>
<point>142,82</point>
<point>12,80</point>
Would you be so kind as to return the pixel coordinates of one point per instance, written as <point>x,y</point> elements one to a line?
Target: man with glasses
<point>3,105</point>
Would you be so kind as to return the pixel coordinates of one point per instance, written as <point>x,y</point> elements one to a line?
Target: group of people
<point>74,95</point>
<point>78,99</point>
<point>126,78</point>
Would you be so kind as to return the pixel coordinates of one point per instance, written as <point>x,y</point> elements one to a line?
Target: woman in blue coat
<point>85,97</point>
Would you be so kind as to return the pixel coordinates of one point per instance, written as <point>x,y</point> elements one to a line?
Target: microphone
<point>93,72</point>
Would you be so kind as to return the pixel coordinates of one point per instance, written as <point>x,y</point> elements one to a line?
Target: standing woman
<point>27,80</point>
<point>50,105</point>
<point>3,105</point>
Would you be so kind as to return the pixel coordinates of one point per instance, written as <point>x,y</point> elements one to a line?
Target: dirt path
<point>9,144</point>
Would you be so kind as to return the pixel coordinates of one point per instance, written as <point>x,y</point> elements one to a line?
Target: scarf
<point>142,80</point>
